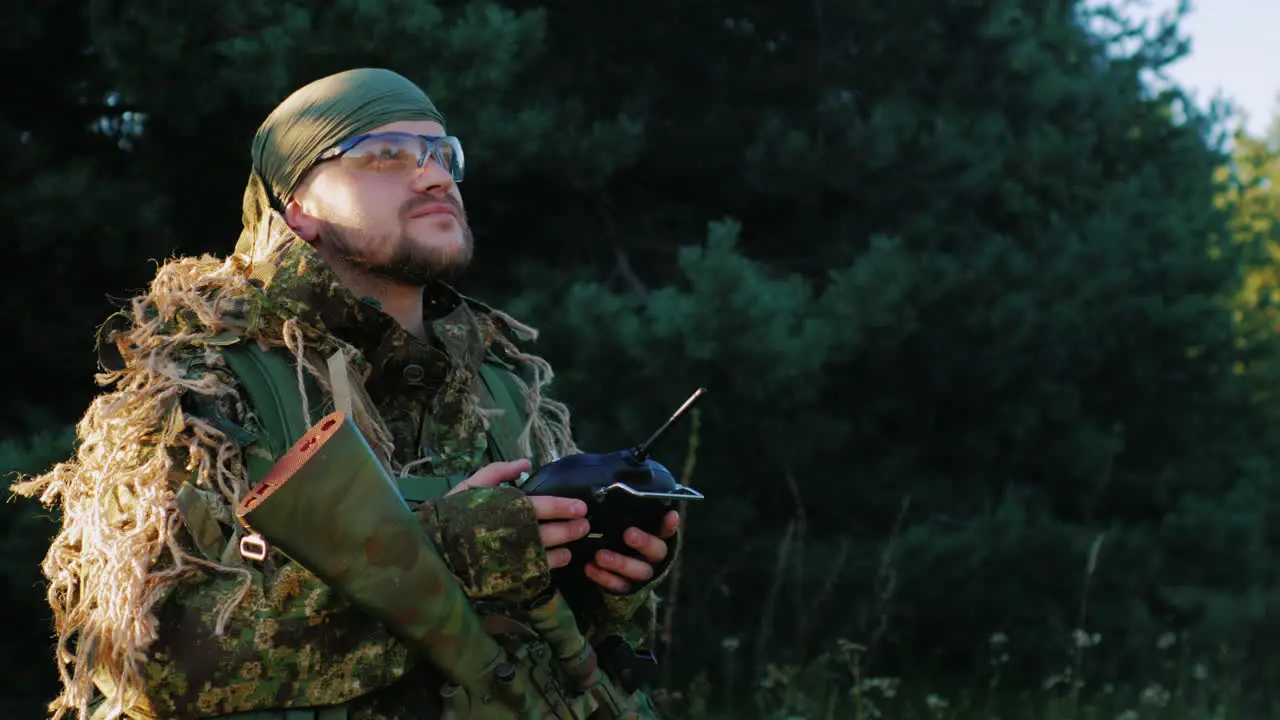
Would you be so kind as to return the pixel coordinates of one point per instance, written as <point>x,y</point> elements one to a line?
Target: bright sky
<point>1235,51</point>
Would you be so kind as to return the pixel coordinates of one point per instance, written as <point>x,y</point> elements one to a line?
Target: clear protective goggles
<point>398,154</point>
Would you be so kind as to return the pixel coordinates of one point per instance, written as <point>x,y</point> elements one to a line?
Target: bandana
<point>314,118</point>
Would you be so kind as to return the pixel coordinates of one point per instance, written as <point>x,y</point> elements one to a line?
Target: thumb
<point>493,474</point>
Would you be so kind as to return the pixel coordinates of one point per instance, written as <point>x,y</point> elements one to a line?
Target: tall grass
<point>840,684</point>
<point>836,685</point>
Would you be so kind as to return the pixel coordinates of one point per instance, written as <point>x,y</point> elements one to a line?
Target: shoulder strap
<point>505,431</point>
<point>270,380</point>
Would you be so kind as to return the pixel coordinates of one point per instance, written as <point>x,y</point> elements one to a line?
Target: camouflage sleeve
<point>489,538</point>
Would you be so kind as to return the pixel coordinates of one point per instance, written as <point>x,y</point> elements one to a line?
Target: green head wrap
<point>314,118</point>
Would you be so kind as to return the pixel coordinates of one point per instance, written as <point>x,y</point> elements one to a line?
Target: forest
<point>985,312</point>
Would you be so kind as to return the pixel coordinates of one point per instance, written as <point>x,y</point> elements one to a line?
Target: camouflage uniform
<point>292,642</point>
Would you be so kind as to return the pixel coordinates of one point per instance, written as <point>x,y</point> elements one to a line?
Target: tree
<point>970,299</point>
<point>987,274</point>
<point>142,151</point>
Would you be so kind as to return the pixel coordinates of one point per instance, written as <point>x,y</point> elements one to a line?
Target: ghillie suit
<point>151,601</point>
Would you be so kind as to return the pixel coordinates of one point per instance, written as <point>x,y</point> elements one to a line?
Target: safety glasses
<point>397,154</point>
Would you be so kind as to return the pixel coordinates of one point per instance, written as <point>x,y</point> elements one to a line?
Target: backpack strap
<point>421,488</point>
<point>504,433</point>
<point>270,380</point>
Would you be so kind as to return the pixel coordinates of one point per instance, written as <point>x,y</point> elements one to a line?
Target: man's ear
<point>304,225</point>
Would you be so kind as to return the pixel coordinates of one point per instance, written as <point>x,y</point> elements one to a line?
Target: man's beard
<point>411,264</point>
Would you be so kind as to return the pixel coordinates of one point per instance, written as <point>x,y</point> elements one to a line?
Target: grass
<point>840,684</point>
<point>834,686</point>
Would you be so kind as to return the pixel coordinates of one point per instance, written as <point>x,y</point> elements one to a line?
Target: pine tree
<point>978,310</point>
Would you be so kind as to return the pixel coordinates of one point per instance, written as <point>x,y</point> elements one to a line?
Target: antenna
<point>642,451</point>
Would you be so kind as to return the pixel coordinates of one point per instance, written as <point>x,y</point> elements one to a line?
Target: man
<point>336,298</point>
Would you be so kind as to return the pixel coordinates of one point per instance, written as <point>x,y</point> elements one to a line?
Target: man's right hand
<point>560,520</point>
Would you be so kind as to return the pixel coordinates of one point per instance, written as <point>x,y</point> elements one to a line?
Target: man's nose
<point>433,177</point>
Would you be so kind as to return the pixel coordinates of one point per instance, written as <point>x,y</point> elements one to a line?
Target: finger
<point>627,567</point>
<point>558,557</point>
<point>670,524</point>
<point>652,548</point>
<point>606,579</point>
<point>493,474</point>
<point>559,533</point>
<point>548,507</point>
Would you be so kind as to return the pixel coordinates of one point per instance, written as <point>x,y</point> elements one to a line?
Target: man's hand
<point>614,571</point>
<point>545,508</point>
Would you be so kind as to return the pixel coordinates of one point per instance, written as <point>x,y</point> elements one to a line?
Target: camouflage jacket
<point>292,642</point>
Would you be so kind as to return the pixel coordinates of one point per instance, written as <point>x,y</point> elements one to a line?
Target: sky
<point>1235,50</point>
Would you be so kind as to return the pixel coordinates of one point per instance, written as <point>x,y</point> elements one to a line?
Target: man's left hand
<point>615,571</point>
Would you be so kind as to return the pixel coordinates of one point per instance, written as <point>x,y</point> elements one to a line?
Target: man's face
<point>404,229</point>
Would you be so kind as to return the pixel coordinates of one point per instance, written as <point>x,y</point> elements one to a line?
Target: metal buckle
<point>253,547</point>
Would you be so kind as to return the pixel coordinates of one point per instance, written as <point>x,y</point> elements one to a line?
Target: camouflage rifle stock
<point>330,505</point>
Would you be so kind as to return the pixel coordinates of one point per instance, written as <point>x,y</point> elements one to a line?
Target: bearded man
<point>336,298</point>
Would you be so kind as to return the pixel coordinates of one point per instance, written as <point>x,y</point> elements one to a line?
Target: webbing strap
<point>271,383</point>
<point>417,488</point>
<point>505,431</point>
<point>340,382</point>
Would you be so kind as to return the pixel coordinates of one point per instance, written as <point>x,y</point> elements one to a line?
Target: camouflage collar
<point>301,283</point>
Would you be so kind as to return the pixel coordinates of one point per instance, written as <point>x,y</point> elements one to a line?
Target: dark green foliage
<point>993,280</point>
<point>987,325</point>
<point>25,529</point>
